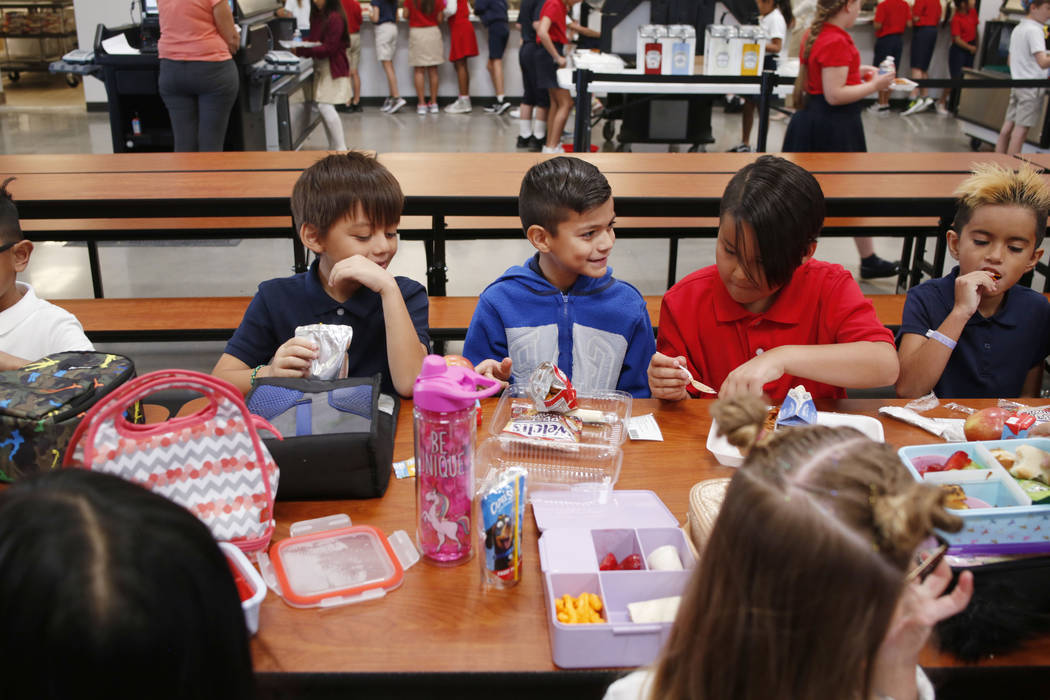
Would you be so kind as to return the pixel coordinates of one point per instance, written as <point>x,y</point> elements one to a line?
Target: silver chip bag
<point>332,342</point>
<point>550,389</point>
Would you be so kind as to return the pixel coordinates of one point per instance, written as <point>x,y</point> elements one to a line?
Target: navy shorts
<point>922,42</point>
<point>889,45</point>
<point>532,95</point>
<point>958,58</point>
<point>546,68</point>
<point>499,32</point>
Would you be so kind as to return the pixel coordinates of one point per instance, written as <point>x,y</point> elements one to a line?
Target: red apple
<point>986,424</point>
<point>458,361</point>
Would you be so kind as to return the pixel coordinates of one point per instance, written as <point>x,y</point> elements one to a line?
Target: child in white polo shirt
<point>1029,60</point>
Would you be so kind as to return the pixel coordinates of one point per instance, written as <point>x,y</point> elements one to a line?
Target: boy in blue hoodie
<point>563,305</point>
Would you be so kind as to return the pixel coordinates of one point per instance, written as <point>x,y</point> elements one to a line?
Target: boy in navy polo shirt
<point>972,333</point>
<point>346,208</point>
<point>766,316</point>
<point>563,305</point>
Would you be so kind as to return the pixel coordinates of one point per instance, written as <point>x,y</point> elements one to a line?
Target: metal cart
<point>34,34</point>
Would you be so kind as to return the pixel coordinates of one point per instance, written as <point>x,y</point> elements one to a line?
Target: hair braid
<point>826,9</point>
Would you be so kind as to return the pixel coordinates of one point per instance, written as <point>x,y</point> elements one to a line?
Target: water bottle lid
<point>440,387</point>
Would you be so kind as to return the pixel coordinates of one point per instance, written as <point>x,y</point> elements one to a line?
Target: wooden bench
<point>216,318</point>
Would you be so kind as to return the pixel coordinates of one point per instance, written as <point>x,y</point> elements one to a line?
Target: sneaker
<point>396,104</point>
<point>356,107</point>
<point>942,110</point>
<point>421,110</point>
<point>386,104</point>
<point>460,106</point>
<point>536,144</point>
<point>740,148</point>
<point>876,108</point>
<point>433,108</point>
<point>345,109</point>
<point>515,113</point>
<point>556,149</point>
<point>498,108</point>
<point>914,107</point>
<point>523,142</point>
<point>873,267</point>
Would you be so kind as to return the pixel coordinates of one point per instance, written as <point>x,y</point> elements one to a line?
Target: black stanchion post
<point>581,137</point>
<point>765,94</point>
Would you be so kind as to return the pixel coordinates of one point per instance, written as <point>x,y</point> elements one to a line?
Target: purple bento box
<point>574,539</point>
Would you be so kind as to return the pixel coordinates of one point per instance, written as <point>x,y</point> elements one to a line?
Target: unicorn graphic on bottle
<point>434,516</point>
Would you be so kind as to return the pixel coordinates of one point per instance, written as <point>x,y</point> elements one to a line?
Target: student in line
<point>552,36</point>
<point>346,208</point>
<point>463,45</point>
<point>108,590</point>
<point>384,19</point>
<point>328,26</point>
<point>830,85</point>
<point>820,579</point>
<point>30,328</point>
<point>892,17</point>
<point>352,8</point>
<point>926,15</point>
<point>425,49</point>
<point>774,18</point>
<point>767,316</point>
<point>963,47</point>
<point>563,304</point>
<point>493,14</point>
<point>535,101</point>
<point>975,332</point>
<point>1029,60</point>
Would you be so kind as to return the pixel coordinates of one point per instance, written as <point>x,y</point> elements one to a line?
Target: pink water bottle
<point>445,425</point>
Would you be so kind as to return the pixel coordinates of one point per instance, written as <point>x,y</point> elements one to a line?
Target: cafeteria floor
<point>43,116</point>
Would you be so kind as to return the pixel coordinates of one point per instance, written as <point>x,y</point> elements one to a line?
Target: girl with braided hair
<point>830,85</point>
<point>817,579</point>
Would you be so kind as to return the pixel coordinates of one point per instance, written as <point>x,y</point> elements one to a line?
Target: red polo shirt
<point>352,8</point>
<point>833,48</point>
<point>926,13</point>
<point>964,25</point>
<point>892,17</point>
<point>416,18</point>
<point>821,305</point>
<point>555,9</point>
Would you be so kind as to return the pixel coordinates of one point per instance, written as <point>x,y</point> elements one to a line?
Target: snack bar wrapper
<point>550,389</point>
<point>501,508</point>
<point>1017,426</point>
<point>798,408</point>
<point>545,426</point>
<point>332,343</point>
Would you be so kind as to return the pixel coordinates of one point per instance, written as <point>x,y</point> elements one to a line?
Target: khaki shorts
<point>1025,106</point>
<point>386,41</point>
<point>353,54</point>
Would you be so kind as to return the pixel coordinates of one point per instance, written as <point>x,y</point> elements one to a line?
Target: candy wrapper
<point>332,343</point>
<point>798,408</point>
<point>1017,425</point>
<point>555,427</point>
<point>550,389</point>
<point>501,505</point>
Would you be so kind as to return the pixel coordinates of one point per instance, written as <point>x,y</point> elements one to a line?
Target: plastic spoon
<point>699,386</point>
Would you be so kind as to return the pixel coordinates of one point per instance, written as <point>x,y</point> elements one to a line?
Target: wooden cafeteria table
<point>440,628</point>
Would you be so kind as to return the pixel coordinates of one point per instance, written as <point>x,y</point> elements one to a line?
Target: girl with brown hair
<point>830,85</point>
<point>813,583</point>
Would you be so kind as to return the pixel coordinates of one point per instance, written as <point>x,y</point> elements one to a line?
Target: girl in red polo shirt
<point>963,48</point>
<point>552,36</point>
<point>830,85</point>
<point>926,15</point>
<point>892,17</point>
<point>463,44</point>
<point>425,48</point>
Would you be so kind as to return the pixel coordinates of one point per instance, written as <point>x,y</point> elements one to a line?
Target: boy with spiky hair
<point>972,333</point>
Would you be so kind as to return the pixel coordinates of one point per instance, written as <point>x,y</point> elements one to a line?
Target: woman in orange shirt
<point>198,78</point>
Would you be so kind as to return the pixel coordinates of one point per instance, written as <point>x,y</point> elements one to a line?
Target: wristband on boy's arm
<point>941,338</point>
<point>255,372</point>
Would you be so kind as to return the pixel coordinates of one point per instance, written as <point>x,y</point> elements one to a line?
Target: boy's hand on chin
<point>970,287</point>
<point>357,269</point>
<point>753,375</point>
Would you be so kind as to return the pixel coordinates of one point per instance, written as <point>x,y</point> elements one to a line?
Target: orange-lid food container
<point>328,562</point>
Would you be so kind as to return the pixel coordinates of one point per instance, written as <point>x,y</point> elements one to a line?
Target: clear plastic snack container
<point>1006,522</point>
<point>239,563</point>
<point>572,544</point>
<point>614,406</point>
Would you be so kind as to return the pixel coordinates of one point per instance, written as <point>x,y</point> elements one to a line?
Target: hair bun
<point>740,419</point>
<point>904,519</point>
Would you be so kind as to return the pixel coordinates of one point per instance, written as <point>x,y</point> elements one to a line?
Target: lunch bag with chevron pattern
<point>212,462</point>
